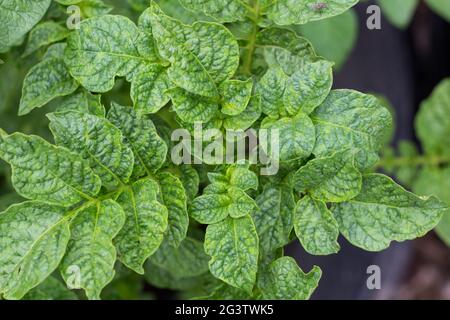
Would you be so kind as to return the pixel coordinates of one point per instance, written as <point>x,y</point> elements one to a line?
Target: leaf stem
<point>423,160</point>
<point>251,45</point>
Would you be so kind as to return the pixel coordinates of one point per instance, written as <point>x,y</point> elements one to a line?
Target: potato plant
<point>103,203</point>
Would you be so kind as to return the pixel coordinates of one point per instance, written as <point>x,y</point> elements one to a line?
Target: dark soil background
<point>404,66</point>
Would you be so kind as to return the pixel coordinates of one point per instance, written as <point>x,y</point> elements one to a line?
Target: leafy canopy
<point>106,196</point>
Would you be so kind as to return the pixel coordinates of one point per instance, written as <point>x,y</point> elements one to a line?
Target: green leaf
<point>432,121</point>
<point>213,208</point>
<point>149,89</point>
<point>140,134</point>
<point>348,119</point>
<point>188,260</point>
<point>246,118</point>
<point>241,177</point>
<point>44,82</point>
<point>384,212</point>
<point>145,224</point>
<point>236,95</point>
<point>44,34</point>
<point>221,10</point>
<point>271,88</point>
<point>92,8</point>
<point>285,49</point>
<point>233,247</point>
<point>33,242</point>
<point>273,222</point>
<point>308,87</point>
<point>173,196</point>
<point>50,289</point>
<point>201,55</point>
<point>17,18</point>
<point>96,63</point>
<point>333,38</point>
<point>436,181</point>
<point>289,282</point>
<point>316,227</point>
<point>442,8</point>
<point>191,107</point>
<point>286,12</point>
<point>399,12</point>
<point>90,257</point>
<point>82,101</point>
<point>55,50</point>
<point>47,173</point>
<point>190,179</point>
<point>97,141</point>
<point>330,179</point>
<point>296,136</point>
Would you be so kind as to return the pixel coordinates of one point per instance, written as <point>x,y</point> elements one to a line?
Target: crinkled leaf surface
<point>212,208</point>
<point>44,82</point>
<point>236,95</point>
<point>308,87</point>
<point>273,223</point>
<point>82,101</point>
<point>289,282</point>
<point>201,55</point>
<point>96,140</point>
<point>191,107</point>
<point>330,179</point>
<point>188,260</point>
<point>271,88</point>
<point>90,251</point>
<point>101,49</point>
<point>145,224</point>
<point>34,239</point>
<point>385,212</point>
<point>17,18</point>
<point>173,196</point>
<point>233,247</point>
<point>286,12</point>
<point>349,119</point>
<point>44,34</point>
<point>316,227</point>
<point>246,118</point>
<point>149,89</point>
<point>47,173</point>
<point>296,134</point>
<point>141,136</point>
<point>221,10</point>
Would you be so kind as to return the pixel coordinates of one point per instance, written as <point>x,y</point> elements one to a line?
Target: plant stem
<point>248,59</point>
<point>423,160</point>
